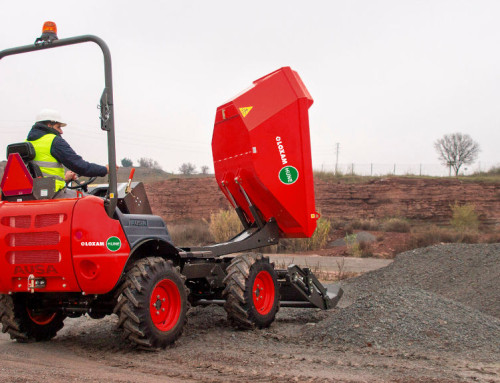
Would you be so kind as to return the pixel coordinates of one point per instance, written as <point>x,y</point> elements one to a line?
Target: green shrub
<point>353,247</point>
<point>224,225</point>
<point>464,217</point>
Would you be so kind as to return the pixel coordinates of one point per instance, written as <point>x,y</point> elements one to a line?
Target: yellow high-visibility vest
<point>49,166</point>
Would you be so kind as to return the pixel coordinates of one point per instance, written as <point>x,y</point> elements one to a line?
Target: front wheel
<point>252,292</point>
<point>153,303</point>
<point>25,324</point>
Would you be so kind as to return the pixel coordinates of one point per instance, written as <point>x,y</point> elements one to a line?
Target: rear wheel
<point>152,304</point>
<point>25,324</point>
<point>252,292</point>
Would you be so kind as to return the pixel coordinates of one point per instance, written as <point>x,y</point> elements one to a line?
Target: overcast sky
<point>388,78</point>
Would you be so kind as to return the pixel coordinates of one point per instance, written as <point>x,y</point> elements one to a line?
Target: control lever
<point>129,184</point>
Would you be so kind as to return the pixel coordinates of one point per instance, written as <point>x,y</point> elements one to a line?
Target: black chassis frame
<point>205,271</point>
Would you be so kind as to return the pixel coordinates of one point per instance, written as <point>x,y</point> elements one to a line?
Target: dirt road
<point>404,334</point>
<point>211,351</point>
<point>330,264</point>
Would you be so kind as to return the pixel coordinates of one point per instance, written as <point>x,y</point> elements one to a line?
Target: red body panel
<point>97,268</point>
<point>35,240</point>
<point>64,241</point>
<point>261,140</point>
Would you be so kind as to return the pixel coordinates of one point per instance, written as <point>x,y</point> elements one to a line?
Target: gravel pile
<point>404,318</point>
<point>440,298</point>
<point>469,274</point>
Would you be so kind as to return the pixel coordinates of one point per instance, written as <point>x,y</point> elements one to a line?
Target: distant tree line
<point>143,162</point>
<point>186,168</point>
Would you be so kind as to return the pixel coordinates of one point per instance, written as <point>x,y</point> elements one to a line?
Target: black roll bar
<point>106,102</point>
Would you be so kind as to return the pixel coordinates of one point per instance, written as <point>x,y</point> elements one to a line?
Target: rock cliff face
<point>413,198</point>
<point>186,198</point>
<point>417,199</point>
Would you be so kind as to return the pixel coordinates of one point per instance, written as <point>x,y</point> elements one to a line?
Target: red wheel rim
<point>263,292</point>
<point>165,305</point>
<point>41,319</point>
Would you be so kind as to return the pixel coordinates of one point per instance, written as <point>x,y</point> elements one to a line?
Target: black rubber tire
<point>17,322</point>
<point>239,305</point>
<point>133,303</point>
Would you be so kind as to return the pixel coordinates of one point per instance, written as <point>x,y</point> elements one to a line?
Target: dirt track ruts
<point>305,345</point>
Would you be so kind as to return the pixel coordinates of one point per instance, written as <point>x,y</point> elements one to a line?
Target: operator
<point>52,152</point>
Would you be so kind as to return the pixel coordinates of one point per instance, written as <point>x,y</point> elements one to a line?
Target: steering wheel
<point>80,184</point>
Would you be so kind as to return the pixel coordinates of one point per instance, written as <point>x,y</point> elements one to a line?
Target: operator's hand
<point>70,176</point>
<point>107,167</point>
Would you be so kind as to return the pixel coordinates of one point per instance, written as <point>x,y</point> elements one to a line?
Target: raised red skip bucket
<point>261,142</point>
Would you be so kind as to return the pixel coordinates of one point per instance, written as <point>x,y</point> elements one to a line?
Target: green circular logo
<point>113,243</point>
<point>288,175</point>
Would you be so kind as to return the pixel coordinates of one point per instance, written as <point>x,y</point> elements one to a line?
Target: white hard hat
<point>49,115</point>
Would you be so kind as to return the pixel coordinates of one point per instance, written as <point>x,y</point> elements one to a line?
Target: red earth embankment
<point>413,198</point>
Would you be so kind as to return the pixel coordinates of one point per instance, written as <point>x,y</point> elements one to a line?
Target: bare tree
<point>204,169</point>
<point>148,163</point>
<point>187,168</point>
<point>457,149</point>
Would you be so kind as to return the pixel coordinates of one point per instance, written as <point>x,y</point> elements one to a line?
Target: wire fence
<point>373,169</point>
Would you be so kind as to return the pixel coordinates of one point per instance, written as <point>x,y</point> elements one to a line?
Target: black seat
<point>27,153</point>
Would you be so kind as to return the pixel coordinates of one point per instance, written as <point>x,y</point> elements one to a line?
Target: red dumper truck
<point>105,252</point>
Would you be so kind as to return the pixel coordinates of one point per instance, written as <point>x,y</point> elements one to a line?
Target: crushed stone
<point>466,273</point>
<point>443,298</point>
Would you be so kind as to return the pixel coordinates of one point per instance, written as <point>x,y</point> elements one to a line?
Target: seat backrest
<point>27,152</point>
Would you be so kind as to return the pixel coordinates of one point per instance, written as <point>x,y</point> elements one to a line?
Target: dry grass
<point>192,233</point>
<point>224,225</point>
<point>318,240</point>
<point>366,249</point>
<point>363,224</point>
<point>493,175</point>
<point>430,235</point>
<point>396,225</point>
<point>348,178</point>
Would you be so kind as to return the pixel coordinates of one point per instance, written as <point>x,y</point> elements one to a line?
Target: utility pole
<point>337,159</point>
